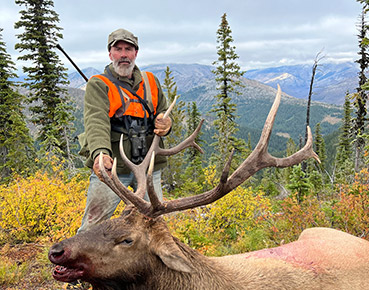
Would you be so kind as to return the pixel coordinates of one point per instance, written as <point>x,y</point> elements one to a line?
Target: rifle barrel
<point>72,62</point>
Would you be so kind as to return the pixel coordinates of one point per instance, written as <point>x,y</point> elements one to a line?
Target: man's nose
<point>123,53</point>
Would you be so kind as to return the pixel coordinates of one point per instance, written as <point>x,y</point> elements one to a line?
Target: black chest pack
<point>137,129</point>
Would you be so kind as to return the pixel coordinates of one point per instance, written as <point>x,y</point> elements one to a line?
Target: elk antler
<point>257,160</point>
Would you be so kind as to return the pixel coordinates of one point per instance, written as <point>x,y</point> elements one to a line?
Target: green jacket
<point>98,136</point>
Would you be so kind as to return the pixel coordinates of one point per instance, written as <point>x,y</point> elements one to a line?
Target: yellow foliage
<point>240,208</point>
<point>226,221</point>
<point>42,206</point>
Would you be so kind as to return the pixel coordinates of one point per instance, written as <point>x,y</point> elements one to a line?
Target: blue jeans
<point>102,201</point>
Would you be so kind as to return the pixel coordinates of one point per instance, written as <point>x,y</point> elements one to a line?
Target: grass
<point>26,266</point>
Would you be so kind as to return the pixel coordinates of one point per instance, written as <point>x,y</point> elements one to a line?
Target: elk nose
<point>56,251</point>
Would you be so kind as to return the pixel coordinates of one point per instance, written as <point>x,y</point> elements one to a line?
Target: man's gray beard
<point>123,70</point>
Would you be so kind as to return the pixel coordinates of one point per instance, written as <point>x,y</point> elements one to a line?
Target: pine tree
<point>361,95</point>
<point>173,170</point>
<point>291,148</point>
<point>193,176</point>
<point>50,105</point>
<point>344,149</point>
<point>17,153</point>
<point>299,183</point>
<point>228,78</point>
<point>317,172</point>
<point>193,120</point>
<point>319,146</point>
<point>344,155</point>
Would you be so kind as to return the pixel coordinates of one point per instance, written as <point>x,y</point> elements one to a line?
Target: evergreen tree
<point>319,146</point>
<point>228,78</point>
<point>16,145</point>
<point>316,172</point>
<point>344,149</point>
<point>173,170</point>
<point>361,95</point>
<point>344,155</point>
<point>316,182</point>
<point>50,105</point>
<point>193,120</point>
<point>291,148</point>
<point>268,182</point>
<point>299,183</point>
<point>193,176</point>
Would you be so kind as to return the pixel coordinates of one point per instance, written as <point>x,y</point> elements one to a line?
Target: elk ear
<point>171,255</point>
<point>174,259</point>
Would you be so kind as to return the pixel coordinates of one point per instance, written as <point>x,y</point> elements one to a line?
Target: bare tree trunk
<point>315,66</point>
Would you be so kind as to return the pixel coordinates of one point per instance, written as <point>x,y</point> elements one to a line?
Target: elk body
<point>137,251</point>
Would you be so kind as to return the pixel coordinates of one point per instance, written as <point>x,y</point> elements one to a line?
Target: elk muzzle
<point>67,269</point>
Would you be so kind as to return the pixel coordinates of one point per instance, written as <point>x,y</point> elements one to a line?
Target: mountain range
<point>331,83</point>
<point>196,82</point>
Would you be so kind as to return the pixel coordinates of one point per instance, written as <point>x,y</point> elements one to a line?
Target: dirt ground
<point>37,267</point>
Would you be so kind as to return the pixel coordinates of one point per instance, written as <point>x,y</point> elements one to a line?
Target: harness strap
<point>147,89</point>
<point>119,84</point>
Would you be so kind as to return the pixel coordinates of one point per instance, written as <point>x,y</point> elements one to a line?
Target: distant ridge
<point>77,81</point>
<point>331,83</point>
<point>196,82</point>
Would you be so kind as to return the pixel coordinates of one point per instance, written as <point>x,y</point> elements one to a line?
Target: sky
<point>266,33</point>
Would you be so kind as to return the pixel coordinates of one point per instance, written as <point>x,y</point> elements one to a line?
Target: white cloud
<point>265,32</point>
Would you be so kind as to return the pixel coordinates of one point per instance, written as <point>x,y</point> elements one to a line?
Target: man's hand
<point>108,164</point>
<point>162,126</point>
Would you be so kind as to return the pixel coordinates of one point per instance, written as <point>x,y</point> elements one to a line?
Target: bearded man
<point>122,101</point>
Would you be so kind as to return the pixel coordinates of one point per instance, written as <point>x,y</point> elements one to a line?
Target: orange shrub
<point>347,209</point>
<point>293,217</point>
<point>351,211</point>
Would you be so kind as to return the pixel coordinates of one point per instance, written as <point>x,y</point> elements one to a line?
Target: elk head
<point>137,248</point>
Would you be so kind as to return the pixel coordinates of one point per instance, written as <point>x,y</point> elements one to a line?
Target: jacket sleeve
<point>96,118</point>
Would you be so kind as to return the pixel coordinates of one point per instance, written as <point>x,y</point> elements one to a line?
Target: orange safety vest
<point>135,107</point>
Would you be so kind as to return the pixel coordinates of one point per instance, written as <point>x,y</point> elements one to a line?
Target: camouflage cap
<point>122,34</point>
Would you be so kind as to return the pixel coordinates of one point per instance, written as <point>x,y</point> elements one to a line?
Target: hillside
<point>331,83</point>
<point>196,83</point>
<point>254,104</point>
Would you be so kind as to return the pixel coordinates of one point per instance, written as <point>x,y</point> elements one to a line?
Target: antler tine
<point>269,122</point>
<point>189,142</point>
<point>107,180</point>
<point>170,107</point>
<point>124,193</point>
<point>155,202</point>
<point>139,172</point>
<point>257,160</point>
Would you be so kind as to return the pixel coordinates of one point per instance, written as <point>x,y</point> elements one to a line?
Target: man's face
<point>123,56</point>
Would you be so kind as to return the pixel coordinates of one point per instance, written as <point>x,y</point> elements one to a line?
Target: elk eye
<point>126,242</point>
